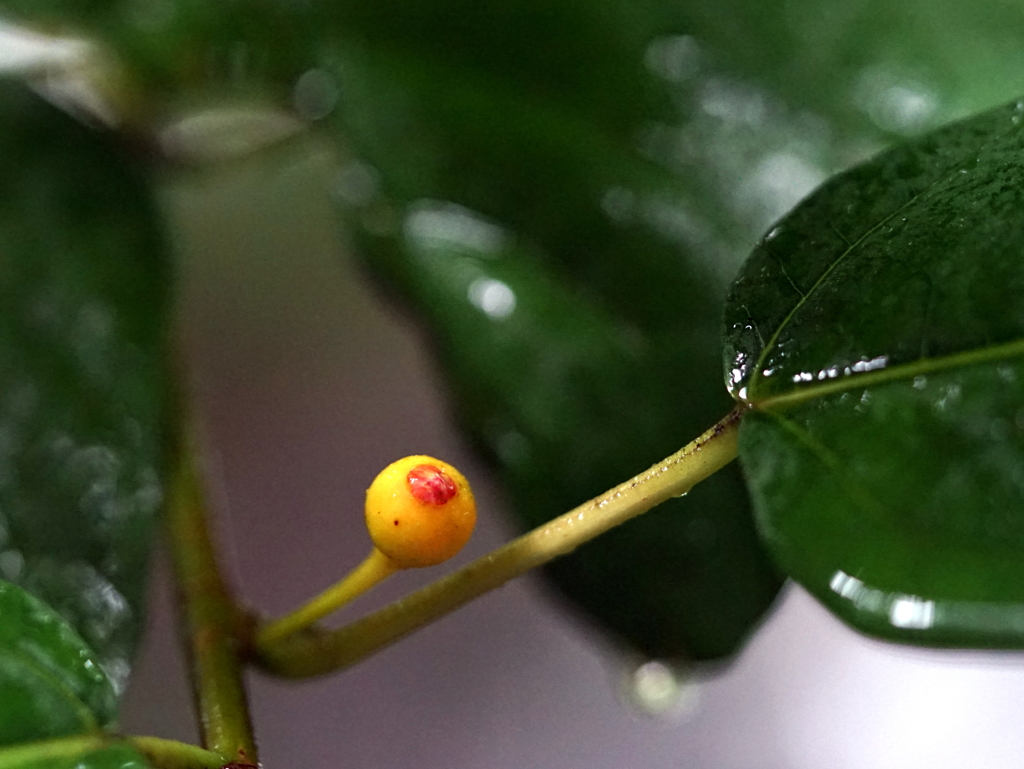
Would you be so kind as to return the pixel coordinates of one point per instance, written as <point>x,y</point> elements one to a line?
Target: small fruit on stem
<point>420,511</point>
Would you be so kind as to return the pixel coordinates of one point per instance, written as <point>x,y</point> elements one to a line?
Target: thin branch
<point>63,749</point>
<point>68,751</point>
<point>314,651</point>
<point>371,572</point>
<point>212,621</point>
<point>171,754</point>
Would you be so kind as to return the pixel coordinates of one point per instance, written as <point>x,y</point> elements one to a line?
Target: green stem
<point>171,754</point>
<point>372,571</point>
<point>902,372</point>
<point>161,754</point>
<point>33,753</point>
<point>316,651</point>
<point>213,622</point>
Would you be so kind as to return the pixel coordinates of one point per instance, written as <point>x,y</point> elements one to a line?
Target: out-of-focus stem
<point>211,620</point>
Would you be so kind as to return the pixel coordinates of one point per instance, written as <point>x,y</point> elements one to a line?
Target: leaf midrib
<point>859,494</point>
<point>86,717</point>
<point>756,375</point>
<point>920,367</point>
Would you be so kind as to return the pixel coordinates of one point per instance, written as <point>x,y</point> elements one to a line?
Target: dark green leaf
<point>899,67</point>
<point>51,683</point>
<point>491,144</point>
<point>569,396</point>
<point>83,288</point>
<point>72,754</point>
<point>606,360</point>
<point>878,331</point>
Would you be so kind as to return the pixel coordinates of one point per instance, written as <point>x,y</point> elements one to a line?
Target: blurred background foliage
<point>562,191</point>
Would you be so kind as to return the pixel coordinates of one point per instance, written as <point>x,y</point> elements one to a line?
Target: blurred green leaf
<point>51,683</point>
<point>242,47</point>
<point>870,65</point>
<point>569,396</point>
<point>878,331</point>
<point>501,187</point>
<point>83,293</point>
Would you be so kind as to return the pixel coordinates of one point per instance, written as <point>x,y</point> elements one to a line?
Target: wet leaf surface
<point>878,331</point>
<point>83,288</point>
<point>51,683</point>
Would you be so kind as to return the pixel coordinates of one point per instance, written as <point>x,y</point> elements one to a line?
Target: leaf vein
<point>918,367</point>
<point>86,716</point>
<point>859,494</point>
<point>756,375</point>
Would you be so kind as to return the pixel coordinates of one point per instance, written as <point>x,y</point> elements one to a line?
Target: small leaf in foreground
<point>51,683</point>
<point>878,333</point>
<point>83,292</point>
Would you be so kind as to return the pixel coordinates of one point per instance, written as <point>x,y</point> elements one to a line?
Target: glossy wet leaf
<point>879,332</point>
<point>569,395</point>
<point>51,683</point>
<point>71,754</point>
<point>83,287</point>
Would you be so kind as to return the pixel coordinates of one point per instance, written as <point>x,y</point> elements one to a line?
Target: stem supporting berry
<point>372,571</point>
<point>321,651</point>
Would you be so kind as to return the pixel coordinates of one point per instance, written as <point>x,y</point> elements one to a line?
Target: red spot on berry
<point>430,485</point>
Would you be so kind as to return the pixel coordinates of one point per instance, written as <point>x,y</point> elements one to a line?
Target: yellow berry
<point>420,511</point>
